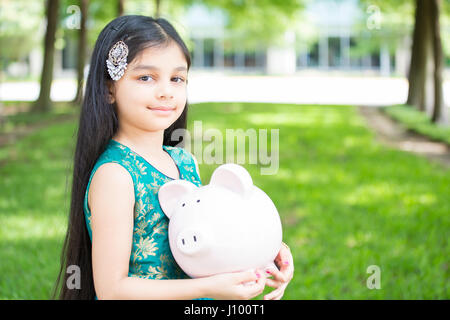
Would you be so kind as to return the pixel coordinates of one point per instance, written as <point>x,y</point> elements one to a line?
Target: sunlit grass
<point>346,202</point>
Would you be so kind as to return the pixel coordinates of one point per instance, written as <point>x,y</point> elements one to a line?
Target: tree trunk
<point>157,8</point>
<point>421,41</point>
<point>120,7</point>
<point>438,57</point>
<point>43,103</point>
<point>82,38</point>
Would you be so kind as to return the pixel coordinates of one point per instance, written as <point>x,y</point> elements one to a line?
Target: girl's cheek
<point>138,94</point>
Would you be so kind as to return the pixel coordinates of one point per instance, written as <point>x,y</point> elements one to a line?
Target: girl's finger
<point>277,275</point>
<point>252,290</point>
<point>279,296</point>
<point>276,294</point>
<point>288,272</point>
<point>287,269</point>
<point>246,276</point>
<point>272,283</point>
<point>284,256</point>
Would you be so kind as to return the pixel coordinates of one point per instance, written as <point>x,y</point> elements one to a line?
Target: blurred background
<point>359,89</point>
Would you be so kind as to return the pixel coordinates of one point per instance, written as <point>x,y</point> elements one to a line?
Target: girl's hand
<point>281,278</point>
<point>236,285</point>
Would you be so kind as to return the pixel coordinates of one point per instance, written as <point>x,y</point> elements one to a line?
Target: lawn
<point>418,121</point>
<point>346,203</point>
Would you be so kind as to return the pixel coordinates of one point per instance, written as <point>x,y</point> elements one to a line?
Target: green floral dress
<point>151,257</point>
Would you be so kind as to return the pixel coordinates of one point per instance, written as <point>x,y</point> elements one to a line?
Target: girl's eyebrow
<point>148,67</point>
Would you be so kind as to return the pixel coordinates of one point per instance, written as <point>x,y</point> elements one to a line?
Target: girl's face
<point>151,95</point>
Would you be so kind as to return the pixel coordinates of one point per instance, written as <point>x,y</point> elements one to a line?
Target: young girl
<point>135,98</point>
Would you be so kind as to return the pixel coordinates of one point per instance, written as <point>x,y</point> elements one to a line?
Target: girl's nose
<point>164,91</point>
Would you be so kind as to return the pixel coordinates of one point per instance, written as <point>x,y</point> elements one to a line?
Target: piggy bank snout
<point>192,241</point>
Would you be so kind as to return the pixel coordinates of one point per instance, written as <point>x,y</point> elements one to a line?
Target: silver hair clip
<point>117,60</point>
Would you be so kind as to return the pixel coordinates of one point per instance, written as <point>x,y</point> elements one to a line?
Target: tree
<point>120,7</point>
<point>419,52</point>
<point>439,110</point>
<point>427,48</point>
<point>43,103</point>
<point>427,56</point>
<point>157,8</point>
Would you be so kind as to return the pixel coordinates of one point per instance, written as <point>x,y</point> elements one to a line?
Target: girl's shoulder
<point>113,151</point>
<point>117,153</point>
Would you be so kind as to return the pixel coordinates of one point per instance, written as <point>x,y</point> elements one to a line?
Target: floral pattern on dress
<point>150,257</point>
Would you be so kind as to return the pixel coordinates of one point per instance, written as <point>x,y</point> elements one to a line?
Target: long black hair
<point>98,124</point>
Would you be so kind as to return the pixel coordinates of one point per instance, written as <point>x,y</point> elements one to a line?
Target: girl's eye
<point>145,78</point>
<point>150,78</point>
<point>178,79</point>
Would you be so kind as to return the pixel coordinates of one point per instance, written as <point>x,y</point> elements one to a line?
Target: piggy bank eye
<point>183,204</point>
<point>198,200</point>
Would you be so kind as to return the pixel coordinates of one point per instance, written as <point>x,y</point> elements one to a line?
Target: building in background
<point>337,31</point>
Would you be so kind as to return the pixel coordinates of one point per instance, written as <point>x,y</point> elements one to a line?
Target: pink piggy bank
<point>227,226</point>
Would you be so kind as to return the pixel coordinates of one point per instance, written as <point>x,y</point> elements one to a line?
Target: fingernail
<point>286,263</point>
<point>258,275</point>
<point>268,271</point>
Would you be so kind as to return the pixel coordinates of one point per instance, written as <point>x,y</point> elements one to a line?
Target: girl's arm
<point>111,200</point>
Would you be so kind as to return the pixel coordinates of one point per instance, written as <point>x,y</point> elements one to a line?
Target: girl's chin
<point>157,123</point>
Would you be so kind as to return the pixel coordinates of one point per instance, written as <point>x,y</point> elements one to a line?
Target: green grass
<point>346,202</point>
<point>17,123</point>
<point>418,121</point>
<point>33,207</point>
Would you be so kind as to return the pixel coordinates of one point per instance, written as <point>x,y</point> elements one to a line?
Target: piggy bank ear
<point>171,192</point>
<point>233,177</point>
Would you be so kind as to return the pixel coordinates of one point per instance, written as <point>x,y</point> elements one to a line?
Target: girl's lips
<point>162,110</point>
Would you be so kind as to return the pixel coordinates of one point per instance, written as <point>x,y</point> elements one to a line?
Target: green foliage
<point>346,202</point>
<point>254,22</point>
<point>396,22</point>
<point>20,20</point>
<point>251,22</point>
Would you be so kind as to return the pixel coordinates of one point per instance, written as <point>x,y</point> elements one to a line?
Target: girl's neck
<point>148,143</point>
